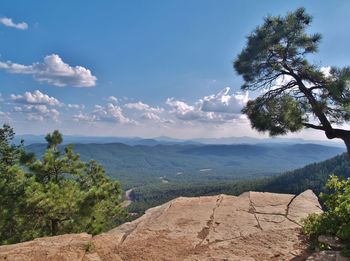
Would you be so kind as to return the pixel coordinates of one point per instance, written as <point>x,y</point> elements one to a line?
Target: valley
<point>164,164</point>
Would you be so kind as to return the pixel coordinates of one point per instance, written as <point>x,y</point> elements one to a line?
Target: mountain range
<point>31,139</point>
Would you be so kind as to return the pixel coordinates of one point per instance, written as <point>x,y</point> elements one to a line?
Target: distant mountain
<point>182,163</point>
<point>68,139</point>
<point>250,140</point>
<point>31,139</point>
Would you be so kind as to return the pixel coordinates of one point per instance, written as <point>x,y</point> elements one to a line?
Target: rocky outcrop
<point>252,226</point>
<point>58,248</point>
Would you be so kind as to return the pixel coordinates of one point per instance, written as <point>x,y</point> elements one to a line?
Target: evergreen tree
<point>13,222</point>
<point>53,195</point>
<point>70,195</point>
<point>296,93</point>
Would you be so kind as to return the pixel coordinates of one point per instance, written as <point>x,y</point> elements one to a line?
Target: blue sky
<point>140,68</point>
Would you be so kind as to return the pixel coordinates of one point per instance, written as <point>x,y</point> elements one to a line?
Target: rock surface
<point>252,226</point>
<point>58,248</point>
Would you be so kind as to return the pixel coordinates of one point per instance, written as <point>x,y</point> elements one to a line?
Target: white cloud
<point>84,117</point>
<point>140,106</point>
<point>217,108</point>
<point>9,23</point>
<point>37,112</point>
<point>108,113</point>
<point>35,117</point>
<point>326,71</point>
<point>54,72</point>
<point>224,102</point>
<point>112,113</point>
<point>35,97</point>
<point>76,106</point>
<point>112,99</point>
<point>184,111</point>
<point>150,116</point>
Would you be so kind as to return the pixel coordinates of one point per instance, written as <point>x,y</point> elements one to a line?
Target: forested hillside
<point>313,176</point>
<point>140,165</point>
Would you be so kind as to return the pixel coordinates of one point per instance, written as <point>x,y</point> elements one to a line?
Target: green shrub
<point>335,220</point>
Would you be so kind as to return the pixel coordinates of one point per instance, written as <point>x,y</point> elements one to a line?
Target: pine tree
<point>70,195</point>
<point>55,194</point>
<point>296,94</point>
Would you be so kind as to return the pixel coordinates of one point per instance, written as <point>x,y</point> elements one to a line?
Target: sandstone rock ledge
<point>252,226</point>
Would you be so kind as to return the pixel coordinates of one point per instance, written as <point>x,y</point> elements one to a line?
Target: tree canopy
<point>294,93</point>
<point>53,195</point>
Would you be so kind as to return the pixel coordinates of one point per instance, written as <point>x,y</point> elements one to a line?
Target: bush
<point>335,220</point>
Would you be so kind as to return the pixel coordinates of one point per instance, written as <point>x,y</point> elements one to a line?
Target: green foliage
<point>337,203</point>
<point>335,221</point>
<point>276,115</point>
<point>10,154</point>
<point>313,176</point>
<point>279,42</point>
<point>294,92</point>
<point>12,184</point>
<point>53,195</point>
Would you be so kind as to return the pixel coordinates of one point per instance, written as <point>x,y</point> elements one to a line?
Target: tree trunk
<point>347,144</point>
<point>340,134</point>
<point>54,227</point>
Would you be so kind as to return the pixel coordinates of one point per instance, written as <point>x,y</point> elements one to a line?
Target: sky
<point>141,68</point>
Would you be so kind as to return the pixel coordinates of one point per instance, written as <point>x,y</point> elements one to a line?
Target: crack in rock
<point>203,234</point>
<point>287,211</point>
<point>288,205</point>
<point>252,210</point>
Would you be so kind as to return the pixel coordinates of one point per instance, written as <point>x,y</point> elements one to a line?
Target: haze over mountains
<point>31,139</point>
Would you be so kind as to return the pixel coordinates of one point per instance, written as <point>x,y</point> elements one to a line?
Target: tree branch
<point>317,127</point>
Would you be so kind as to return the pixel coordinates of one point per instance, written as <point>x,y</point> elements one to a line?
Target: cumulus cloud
<point>8,22</point>
<point>217,108</point>
<point>150,116</point>
<point>112,113</point>
<point>112,99</point>
<point>108,113</point>
<point>36,97</point>
<point>184,111</point>
<point>148,112</point>
<point>84,117</point>
<point>37,112</point>
<point>140,106</point>
<point>54,72</point>
<point>76,106</point>
<point>224,102</point>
